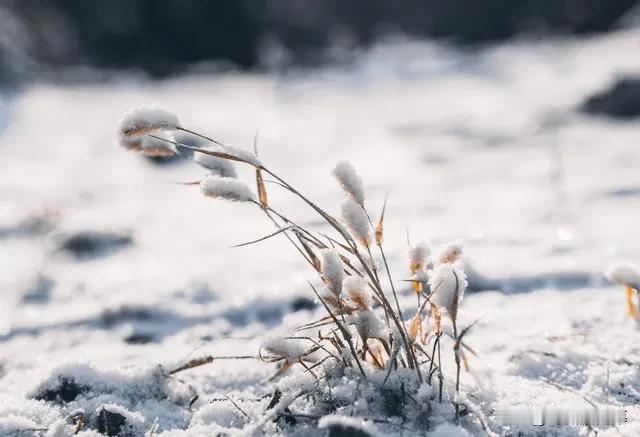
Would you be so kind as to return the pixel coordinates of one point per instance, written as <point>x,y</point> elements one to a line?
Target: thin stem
<point>413,361</point>
<point>433,355</point>
<point>457,405</point>
<point>395,297</point>
<point>275,222</point>
<point>440,377</point>
<point>204,137</point>
<point>373,264</point>
<point>345,333</point>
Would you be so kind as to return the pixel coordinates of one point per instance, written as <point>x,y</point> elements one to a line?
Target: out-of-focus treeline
<point>161,37</point>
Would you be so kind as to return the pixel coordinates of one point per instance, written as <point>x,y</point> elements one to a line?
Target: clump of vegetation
<point>367,356</point>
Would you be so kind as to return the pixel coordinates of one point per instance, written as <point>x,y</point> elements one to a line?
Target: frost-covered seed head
<point>133,143</point>
<point>356,219</point>
<point>331,300</point>
<point>147,119</point>
<point>357,291</point>
<point>419,256</point>
<point>226,188</point>
<point>150,146</point>
<point>332,270</point>
<point>369,325</point>
<point>350,181</point>
<point>217,166</point>
<point>242,155</point>
<point>450,252</point>
<point>624,273</point>
<point>447,282</point>
<point>280,347</point>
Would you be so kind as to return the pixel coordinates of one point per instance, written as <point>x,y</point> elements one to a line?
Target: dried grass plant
<point>365,336</point>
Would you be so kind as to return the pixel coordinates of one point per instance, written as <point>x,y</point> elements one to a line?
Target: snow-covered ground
<point>487,147</point>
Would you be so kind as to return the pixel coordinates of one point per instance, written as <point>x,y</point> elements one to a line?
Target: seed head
<point>356,219</point>
<point>447,284</point>
<point>147,119</point>
<point>217,166</point>
<point>357,291</point>
<point>350,181</point>
<point>369,325</point>
<point>289,349</point>
<point>150,146</point>
<point>226,188</point>
<point>332,270</point>
<point>332,300</point>
<point>450,252</point>
<point>418,257</point>
<point>624,273</point>
<point>133,143</point>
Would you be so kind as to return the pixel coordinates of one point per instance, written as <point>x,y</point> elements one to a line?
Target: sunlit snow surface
<point>486,147</point>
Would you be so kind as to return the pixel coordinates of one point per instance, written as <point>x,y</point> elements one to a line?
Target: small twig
<point>570,390</point>
<point>273,234</point>
<point>201,136</point>
<point>237,406</point>
<point>201,361</point>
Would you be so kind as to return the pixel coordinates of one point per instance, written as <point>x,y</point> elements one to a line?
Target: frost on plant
<point>356,219</point>
<point>450,252</point>
<point>332,270</point>
<point>232,189</point>
<point>362,347</point>
<point>350,181</point>
<point>624,273</point>
<point>147,119</point>
<point>215,165</point>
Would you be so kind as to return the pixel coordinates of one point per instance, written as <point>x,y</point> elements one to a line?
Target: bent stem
<point>411,357</point>
<point>413,362</point>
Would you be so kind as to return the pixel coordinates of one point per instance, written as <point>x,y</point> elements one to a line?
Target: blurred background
<point>40,38</point>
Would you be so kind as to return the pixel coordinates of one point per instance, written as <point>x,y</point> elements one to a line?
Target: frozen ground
<point>487,147</point>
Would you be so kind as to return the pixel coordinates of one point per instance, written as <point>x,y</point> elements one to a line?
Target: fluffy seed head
<point>418,257</point>
<point>369,325</point>
<point>332,270</point>
<point>447,287</point>
<point>350,181</point>
<point>226,188</point>
<point>450,252</point>
<point>133,143</point>
<point>357,291</point>
<point>147,119</point>
<point>150,146</point>
<point>244,155</point>
<point>217,166</point>
<point>279,347</point>
<point>356,219</point>
<point>332,300</point>
<point>624,273</point>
